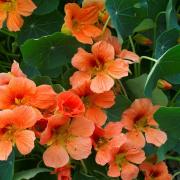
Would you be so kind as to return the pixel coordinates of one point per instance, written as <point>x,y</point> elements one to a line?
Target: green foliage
<point>49,53</point>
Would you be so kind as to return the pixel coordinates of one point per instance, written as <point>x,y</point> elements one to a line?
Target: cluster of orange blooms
<point>73,122</point>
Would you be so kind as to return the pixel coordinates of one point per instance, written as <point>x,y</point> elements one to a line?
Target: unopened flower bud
<point>164,84</point>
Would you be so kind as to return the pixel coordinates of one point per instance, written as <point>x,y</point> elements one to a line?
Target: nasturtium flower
<point>138,120</point>
<point>13,10</point>
<point>14,130</point>
<point>124,162</point>
<point>100,66</point>
<point>23,91</point>
<point>95,103</point>
<point>155,171</point>
<point>81,22</point>
<point>104,140</point>
<point>66,138</point>
<point>63,173</point>
<point>69,104</point>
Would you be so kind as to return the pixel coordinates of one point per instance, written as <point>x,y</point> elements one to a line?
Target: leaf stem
<point>8,33</point>
<point>174,98</point>
<point>123,89</point>
<point>148,58</point>
<point>84,166</point>
<point>176,174</point>
<point>173,158</point>
<point>105,25</point>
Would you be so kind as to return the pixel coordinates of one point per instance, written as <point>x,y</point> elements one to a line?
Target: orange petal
<point>81,37</point>
<point>14,21</point>
<point>91,31</point>
<point>112,129</point>
<point>83,60</point>
<point>135,139</point>
<point>103,156</point>
<point>118,69</point>
<point>79,147</point>
<point>16,71</point>
<point>129,171</point>
<point>128,55</point>
<point>25,7</point>
<point>3,16</point>
<point>5,150</point>
<point>136,156</point>
<point>44,98</point>
<point>113,170</point>
<point>6,118</point>
<point>155,136</point>
<point>79,78</point>
<point>25,141</point>
<point>117,141</point>
<point>24,117</point>
<point>96,115</point>
<point>103,100</point>
<point>103,51</point>
<point>55,156</point>
<point>80,126</point>
<point>101,83</point>
<point>5,78</point>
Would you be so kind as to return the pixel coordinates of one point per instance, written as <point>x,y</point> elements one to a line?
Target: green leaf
<point>121,104</point>
<point>39,80</point>
<point>171,18</point>
<point>146,24</point>
<point>165,41</point>
<point>45,6</point>
<point>125,15</point>
<point>7,168</point>
<point>168,65</point>
<point>49,53</point>
<point>58,88</point>
<point>168,119</point>
<point>136,90</point>
<point>37,26</point>
<point>30,173</point>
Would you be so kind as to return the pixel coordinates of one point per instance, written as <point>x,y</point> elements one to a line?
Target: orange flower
<point>23,91</point>
<point>138,119</point>
<point>64,173</point>
<point>106,139</point>
<point>13,130</point>
<point>95,103</point>
<point>69,104</point>
<point>81,22</point>
<point>123,162</point>
<point>66,137</point>
<point>12,10</point>
<point>100,66</point>
<point>157,171</point>
<point>15,72</point>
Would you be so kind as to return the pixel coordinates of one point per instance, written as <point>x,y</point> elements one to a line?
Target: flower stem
<point>173,158</point>
<point>148,58</point>
<point>84,166</point>
<point>123,89</point>
<point>176,174</point>
<point>174,98</point>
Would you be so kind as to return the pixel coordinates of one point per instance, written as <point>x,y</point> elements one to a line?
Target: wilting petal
<point>96,115</point>
<point>25,141</point>
<point>101,83</point>
<point>82,60</point>
<point>129,171</point>
<point>128,55</point>
<point>5,150</point>
<point>24,117</point>
<point>79,147</point>
<point>113,170</point>
<point>103,100</point>
<point>14,21</point>
<point>118,69</point>
<point>80,126</point>
<point>55,156</point>
<point>103,51</point>
<point>155,136</point>
<point>79,78</point>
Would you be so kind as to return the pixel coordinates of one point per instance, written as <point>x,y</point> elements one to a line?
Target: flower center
<point>120,159</point>
<point>19,101</point>
<point>8,133</point>
<point>101,142</point>
<point>141,123</point>
<point>8,5</point>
